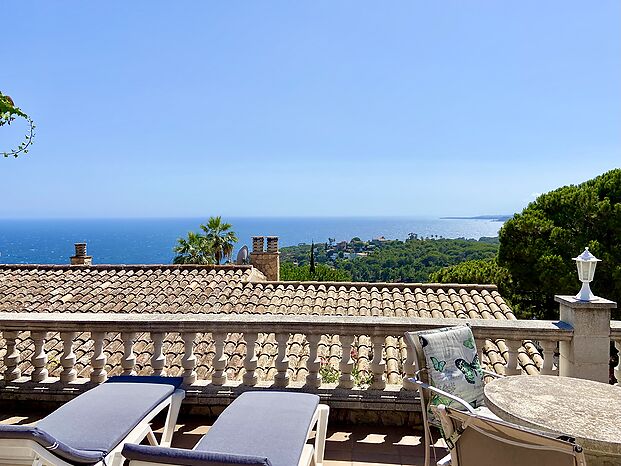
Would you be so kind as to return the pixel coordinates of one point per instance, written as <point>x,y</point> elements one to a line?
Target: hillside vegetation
<point>412,260</point>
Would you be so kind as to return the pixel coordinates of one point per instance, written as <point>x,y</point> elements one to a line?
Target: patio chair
<point>447,371</point>
<point>93,427</point>
<point>260,428</point>
<point>475,440</point>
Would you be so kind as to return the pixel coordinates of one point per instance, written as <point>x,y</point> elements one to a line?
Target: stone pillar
<point>80,257</point>
<point>587,355</point>
<point>267,261</point>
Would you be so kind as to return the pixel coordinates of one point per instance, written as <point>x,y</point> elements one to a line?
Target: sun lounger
<point>260,428</point>
<point>92,428</point>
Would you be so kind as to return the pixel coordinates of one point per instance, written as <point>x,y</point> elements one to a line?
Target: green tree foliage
<point>301,254</point>
<point>8,113</point>
<point>323,273</point>
<point>217,243</point>
<point>483,271</point>
<point>220,237</point>
<point>414,260</point>
<point>537,245</point>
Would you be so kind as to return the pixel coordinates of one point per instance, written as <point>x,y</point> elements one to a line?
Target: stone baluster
<point>346,366</point>
<point>158,360</point>
<point>378,364</point>
<point>618,366</point>
<point>313,378</point>
<point>281,379</point>
<point>548,346</point>
<point>128,363</point>
<point>409,368</point>
<point>68,359</point>
<point>480,344</point>
<point>188,362</point>
<point>513,346</point>
<point>99,358</point>
<point>250,361</point>
<point>39,357</point>
<point>219,359</point>
<point>12,357</point>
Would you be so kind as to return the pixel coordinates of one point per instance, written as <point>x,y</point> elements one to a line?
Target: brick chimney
<point>267,261</point>
<point>80,257</point>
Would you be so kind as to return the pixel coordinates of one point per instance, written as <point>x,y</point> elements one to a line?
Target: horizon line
<point>292,217</point>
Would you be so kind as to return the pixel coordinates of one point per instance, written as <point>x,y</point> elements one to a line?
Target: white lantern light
<point>586,263</point>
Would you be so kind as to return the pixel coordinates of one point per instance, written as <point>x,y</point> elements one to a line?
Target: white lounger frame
<point>28,452</point>
<point>312,455</point>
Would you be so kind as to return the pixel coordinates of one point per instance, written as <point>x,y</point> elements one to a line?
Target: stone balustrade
<point>615,337</point>
<point>331,341</point>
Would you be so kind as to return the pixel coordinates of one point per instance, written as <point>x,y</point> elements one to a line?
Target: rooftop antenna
<point>242,256</point>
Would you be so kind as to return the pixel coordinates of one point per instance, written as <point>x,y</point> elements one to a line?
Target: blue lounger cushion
<point>262,428</point>
<point>47,441</point>
<point>270,424</point>
<point>85,429</point>
<point>190,457</point>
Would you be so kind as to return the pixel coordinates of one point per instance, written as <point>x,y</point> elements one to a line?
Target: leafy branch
<point>8,113</point>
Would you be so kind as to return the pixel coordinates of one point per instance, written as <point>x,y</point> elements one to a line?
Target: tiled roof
<point>235,289</point>
<point>372,299</point>
<point>120,288</point>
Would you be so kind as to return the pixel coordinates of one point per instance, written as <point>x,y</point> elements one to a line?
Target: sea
<point>151,240</point>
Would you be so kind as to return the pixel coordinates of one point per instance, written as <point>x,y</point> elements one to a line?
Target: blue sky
<point>157,109</point>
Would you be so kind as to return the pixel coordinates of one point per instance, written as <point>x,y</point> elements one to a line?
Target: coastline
<point>150,241</point>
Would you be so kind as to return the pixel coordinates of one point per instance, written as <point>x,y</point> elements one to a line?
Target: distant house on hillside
<point>354,255</point>
<point>379,241</point>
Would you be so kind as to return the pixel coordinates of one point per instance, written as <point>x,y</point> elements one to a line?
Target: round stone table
<point>589,411</point>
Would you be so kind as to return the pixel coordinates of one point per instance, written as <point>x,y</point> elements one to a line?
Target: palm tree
<point>219,236</point>
<point>196,249</point>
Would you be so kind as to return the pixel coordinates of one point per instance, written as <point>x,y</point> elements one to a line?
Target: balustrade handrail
<point>269,323</point>
<point>615,329</point>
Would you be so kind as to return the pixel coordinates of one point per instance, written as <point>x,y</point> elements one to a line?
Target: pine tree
<point>312,258</point>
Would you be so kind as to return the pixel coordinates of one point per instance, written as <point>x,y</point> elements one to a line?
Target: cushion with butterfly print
<point>453,365</point>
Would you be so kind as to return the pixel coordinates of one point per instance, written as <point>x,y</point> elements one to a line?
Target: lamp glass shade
<point>586,263</point>
<point>586,270</point>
